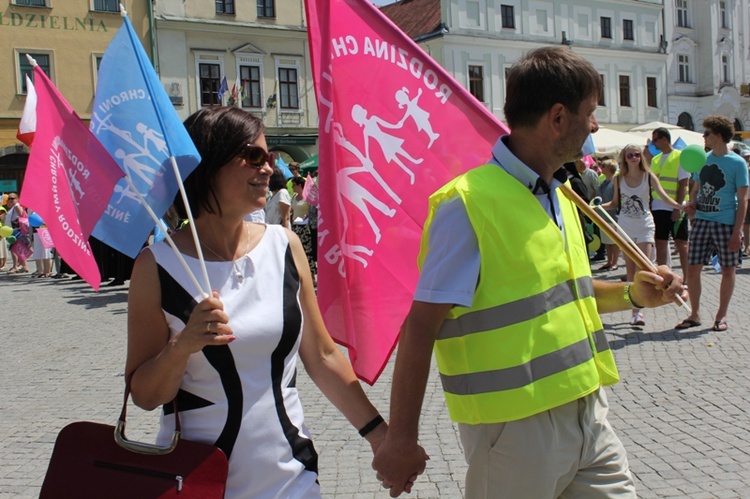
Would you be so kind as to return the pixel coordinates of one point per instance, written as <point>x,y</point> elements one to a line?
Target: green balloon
<point>595,244</point>
<point>11,239</point>
<point>692,158</point>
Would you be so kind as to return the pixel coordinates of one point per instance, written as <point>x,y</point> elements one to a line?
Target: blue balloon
<point>35,220</point>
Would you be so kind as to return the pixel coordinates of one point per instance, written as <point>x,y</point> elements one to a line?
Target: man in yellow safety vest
<point>674,180</point>
<point>507,301</point>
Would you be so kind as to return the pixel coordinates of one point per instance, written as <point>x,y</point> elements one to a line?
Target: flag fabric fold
<point>69,178</point>
<point>394,127</point>
<point>136,122</point>
<point>27,126</point>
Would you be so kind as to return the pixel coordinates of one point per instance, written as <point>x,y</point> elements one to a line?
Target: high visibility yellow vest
<point>667,173</point>
<point>533,339</point>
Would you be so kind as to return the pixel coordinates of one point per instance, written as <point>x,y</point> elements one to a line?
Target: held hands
<point>654,290</point>
<point>398,464</point>
<point>690,209</point>
<point>207,326</point>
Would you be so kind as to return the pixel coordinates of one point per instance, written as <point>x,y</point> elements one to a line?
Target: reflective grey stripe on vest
<point>668,179</point>
<point>518,311</point>
<point>600,340</point>
<point>519,376</point>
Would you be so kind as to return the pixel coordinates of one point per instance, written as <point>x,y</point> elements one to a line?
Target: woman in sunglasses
<point>632,200</point>
<point>229,360</point>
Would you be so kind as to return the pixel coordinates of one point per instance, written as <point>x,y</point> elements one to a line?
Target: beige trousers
<point>569,451</point>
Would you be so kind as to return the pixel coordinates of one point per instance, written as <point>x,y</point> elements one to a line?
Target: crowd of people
<point>702,216</point>
<point>26,239</point>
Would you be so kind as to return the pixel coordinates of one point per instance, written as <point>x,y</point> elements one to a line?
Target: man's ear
<point>557,117</point>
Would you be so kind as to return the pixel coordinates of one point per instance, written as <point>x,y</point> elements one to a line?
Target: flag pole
<point>625,244</point>
<point>193,230</point>
<point>165,229</point>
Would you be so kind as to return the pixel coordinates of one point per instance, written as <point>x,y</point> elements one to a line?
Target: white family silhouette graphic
<point>385,135</point>
<point>141,162</point>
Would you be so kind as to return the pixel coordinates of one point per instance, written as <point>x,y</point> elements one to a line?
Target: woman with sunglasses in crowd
<point>632,200</point>
<point>229,360</point>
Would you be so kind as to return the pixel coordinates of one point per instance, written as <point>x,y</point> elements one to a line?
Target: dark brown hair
<point>277,180</point>
<point>720,125</point>
<point>219,134</point>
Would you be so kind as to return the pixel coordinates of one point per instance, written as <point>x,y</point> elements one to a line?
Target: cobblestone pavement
<point>681,408</point>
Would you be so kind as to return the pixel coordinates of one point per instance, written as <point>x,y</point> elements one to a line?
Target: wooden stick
<point>640,260</point>
<point>626,245</point>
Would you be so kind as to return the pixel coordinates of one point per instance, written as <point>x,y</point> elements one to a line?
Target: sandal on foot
<point>605,267</point>
<point>687,323</point>
<point>720,325</point>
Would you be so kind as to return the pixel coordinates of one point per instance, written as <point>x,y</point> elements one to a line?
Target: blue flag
<point>135,121</point>
<point>281,165</point>
<point>588,146</point>
<point>223,88</point>
<point>679,144</point>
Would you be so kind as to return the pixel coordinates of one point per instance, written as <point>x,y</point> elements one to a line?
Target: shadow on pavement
<point>80,293</point>
<point>633,335</point>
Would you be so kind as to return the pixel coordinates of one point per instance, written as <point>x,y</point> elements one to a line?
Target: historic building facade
<point>258,47</point>
<point>659,60</point>
<point>676,61</point>
<point>68,39</point>
<point>708,66</point>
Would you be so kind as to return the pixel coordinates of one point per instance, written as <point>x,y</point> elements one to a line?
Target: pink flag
<point>45,237</point>
<point>69,178</point>
<point>27,126</point>
<point>310,191</point>
<point>394,127</point>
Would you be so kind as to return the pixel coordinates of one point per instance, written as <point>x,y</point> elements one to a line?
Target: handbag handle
<point>142,447</point>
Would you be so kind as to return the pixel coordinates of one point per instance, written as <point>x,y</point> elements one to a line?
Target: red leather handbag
<point>92,460</point>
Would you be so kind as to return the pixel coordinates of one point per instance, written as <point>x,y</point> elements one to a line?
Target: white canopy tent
<point>607,140</point>
<point>688,136</point>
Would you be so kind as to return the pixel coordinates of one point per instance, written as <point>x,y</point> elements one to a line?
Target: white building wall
<point>706,41</point>
<point>480,39</point>
<point>190,32</point>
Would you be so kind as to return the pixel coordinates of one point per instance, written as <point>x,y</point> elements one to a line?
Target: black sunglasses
<point>257,157</point>
<point>707,133</point>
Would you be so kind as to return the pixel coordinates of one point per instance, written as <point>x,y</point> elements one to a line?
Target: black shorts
<point>665,226</point>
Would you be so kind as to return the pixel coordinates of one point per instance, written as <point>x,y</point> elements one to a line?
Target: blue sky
<point>382,2</point>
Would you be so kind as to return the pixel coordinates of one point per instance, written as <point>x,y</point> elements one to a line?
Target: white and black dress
<point>242,397</point>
